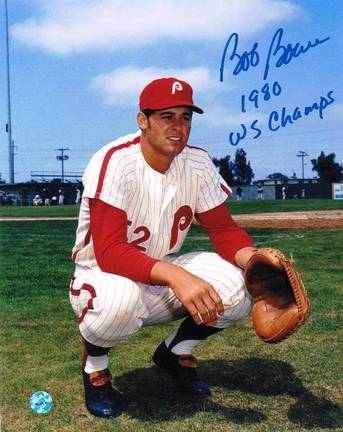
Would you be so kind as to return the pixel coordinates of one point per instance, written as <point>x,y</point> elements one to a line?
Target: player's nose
<point>179,123</point>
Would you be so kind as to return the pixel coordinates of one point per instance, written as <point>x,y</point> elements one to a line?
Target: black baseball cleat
<point>101,400</point>
<point>181,368</point>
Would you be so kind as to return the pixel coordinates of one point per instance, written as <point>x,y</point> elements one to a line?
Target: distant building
<point>295,188</point>
<point>24,193</point>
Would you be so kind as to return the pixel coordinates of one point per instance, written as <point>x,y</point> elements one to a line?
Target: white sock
<point>183,347</point>
<point>96,363</point>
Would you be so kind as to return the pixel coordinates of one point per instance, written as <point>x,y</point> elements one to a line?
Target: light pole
<point>9,121</point>
<point>62,157</point>
<point>302,154</point>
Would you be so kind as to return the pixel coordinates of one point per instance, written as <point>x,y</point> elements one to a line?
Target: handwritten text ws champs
<point>281,54</point>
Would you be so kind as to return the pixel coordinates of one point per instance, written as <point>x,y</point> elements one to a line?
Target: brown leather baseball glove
<point>281,304</point>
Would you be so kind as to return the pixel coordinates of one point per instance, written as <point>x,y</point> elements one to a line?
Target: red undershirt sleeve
<point>112,251</point>
<point>226,236</point>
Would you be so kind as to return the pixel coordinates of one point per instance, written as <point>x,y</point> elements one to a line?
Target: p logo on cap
<point>176,86</point>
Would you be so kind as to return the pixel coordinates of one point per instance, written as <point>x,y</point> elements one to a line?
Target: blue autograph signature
<point>278,54</point>
<point>283,54</point>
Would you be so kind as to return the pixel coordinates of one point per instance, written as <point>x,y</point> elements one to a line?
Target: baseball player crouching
<point>141,193</point>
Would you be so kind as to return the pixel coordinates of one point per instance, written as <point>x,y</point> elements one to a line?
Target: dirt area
<point>308,219</point>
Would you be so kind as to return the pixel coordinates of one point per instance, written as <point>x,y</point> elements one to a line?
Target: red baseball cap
<point>165,93</point>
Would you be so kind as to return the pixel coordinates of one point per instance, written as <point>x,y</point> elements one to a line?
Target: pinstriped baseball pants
<point>110,308</point>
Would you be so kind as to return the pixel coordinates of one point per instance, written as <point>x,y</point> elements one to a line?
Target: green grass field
<point>294,386</point>
<point>237,207</point>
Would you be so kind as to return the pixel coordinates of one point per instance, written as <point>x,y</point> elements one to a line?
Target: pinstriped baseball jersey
<point>159,207</point>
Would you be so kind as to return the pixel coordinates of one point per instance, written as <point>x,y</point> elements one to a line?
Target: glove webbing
<point>294,281</point>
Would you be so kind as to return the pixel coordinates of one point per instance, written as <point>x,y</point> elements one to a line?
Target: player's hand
<point>197,295</point>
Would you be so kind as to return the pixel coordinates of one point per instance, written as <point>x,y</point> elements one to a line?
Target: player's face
<point>165,133</point>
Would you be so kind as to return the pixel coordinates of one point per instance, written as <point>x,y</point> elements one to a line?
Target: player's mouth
<point>175,139</point>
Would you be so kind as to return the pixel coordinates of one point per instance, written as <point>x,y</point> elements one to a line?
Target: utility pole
<point>302,154</point>
<point>62,157</point>
<point>9,121</point>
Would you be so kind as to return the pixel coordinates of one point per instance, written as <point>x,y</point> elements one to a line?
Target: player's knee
<point>237,311</point>
<point>125,310</point>
<point>117,316</point>
<point>232,290</point>
<point>243,309</point>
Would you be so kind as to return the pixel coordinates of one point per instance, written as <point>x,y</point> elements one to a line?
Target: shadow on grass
<point>150,396</point>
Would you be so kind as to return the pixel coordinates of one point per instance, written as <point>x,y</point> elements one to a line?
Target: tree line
<point>238,171</point>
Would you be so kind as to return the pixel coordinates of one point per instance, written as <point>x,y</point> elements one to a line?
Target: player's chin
<point>176,146</point>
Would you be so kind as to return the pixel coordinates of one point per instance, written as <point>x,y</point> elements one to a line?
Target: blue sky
<point>77,67</point>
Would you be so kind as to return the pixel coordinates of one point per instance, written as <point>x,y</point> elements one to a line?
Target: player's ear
<point>142,120</point>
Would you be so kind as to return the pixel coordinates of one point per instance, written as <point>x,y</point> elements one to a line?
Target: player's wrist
<point>243,255</point>
<point>163,273</point>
